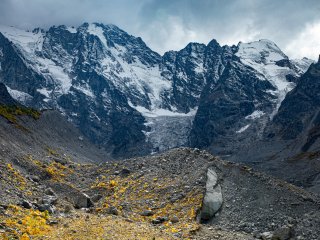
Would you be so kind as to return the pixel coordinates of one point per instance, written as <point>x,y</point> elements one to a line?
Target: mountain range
<point>132,101</point>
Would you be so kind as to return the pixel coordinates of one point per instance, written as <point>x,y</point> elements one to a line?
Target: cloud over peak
<point>170,25</point>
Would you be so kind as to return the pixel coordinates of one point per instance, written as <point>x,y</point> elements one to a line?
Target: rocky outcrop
<point>74,196</point>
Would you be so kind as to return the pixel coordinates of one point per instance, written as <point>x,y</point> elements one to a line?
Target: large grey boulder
<point>72,195</point>
<point>213,199</point>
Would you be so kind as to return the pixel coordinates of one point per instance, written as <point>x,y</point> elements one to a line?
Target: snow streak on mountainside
<point>127,97</point>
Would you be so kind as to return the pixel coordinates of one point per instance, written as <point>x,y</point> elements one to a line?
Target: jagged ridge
<point>117,90</point>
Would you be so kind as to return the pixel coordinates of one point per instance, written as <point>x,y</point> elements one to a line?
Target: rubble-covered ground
<point>50,192</point>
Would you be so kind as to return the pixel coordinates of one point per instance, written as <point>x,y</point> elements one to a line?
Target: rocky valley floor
<point>51,188</point>
<point>156,197</point>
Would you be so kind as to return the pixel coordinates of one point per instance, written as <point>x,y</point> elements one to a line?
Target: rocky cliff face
<point>235,107</point>
<point>289,143</point>
<point>301,108</point>
<point>119,92</point>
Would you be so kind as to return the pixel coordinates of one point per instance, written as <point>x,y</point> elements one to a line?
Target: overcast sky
<point>294,25</point>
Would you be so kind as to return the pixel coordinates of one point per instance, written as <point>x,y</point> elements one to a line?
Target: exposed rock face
<point>234,109</point>
<point>213,199</point>
<point>299,112</point>
<point>186,71</point>
<point>223,111</point>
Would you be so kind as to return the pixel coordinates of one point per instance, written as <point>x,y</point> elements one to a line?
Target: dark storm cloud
<point>171,24</point>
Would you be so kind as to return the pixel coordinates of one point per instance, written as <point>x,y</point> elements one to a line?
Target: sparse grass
<point>57,171</point>
<point>16,177</point>
<point>11,112</point>
<point>54,169</point>
<point>24,223</point>
<point>130,195</point>
<point>105,227</point>
<point>52,152</point>
<point>142,194</point>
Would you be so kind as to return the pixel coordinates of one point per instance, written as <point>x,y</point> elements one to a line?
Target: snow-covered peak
<point>29,41</point>
<point>265,57</point>
<point>262,51</point>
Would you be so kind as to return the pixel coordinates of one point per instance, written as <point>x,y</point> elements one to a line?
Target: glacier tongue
<point>167,132</point>
<point>167,129</point>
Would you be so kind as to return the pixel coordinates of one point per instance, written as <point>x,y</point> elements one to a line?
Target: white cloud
<point>170,34</point>
<point>170,25</point>
<point>306,44</point>
<point>246,33</point>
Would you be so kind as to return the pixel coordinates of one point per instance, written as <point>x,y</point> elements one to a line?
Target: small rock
<point>159,220</point>
<point>266,236</point>
<point>112,210</point>
<point>283,233</point>
<point>46,207</point>
<point>96,198</point>
<point>125,172</point>
<point>49,192</point>
<point>176,197</point>
<point>26,204</point>
<point>174,219</point>
<point>156,221</point>
<point>50,200</point>
<point>52,222</point>
<point>61,161</point>
<point>147,213</point>
<point>83,201</point>
<point>35,178</point>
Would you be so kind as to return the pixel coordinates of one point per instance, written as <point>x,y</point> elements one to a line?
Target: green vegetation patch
<point>11,112</point>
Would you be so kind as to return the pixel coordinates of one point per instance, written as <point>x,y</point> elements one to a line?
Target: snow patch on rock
<point>255,115</point>
<point>243,129</point>
<point>19,95</point>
